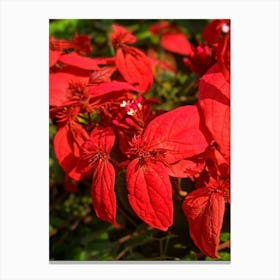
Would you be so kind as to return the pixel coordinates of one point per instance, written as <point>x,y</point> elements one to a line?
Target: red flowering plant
<point>140,141</point>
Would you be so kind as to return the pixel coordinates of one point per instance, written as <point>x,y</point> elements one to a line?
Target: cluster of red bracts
<point>105,124</point>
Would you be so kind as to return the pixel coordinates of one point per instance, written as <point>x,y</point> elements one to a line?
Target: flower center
<point>77,91</point>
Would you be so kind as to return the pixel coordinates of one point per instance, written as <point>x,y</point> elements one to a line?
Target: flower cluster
<point>106,124</point>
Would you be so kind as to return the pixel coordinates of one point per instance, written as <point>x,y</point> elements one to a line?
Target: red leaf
<point>204,210</point>
<point>214,101</point>
<point>120,36</point>
<point>160,27</point>
<point>105,88</point>
<point>173,39</point>
<point>102,192</point>
<point>81,43</point>
<point>96,148</point>
<point>82,62</point>
<point>67,146</point>
<point>54,55</point>
<point>135,67</point>
<point>103,138</point>
<point>200,60</point>
<point>177,43</point>
<point>150,193</point>
<point>186,168</point>
<point>59,84</point>
<point>102,75</point>
<point>177,132</point>
<point>212,32</point>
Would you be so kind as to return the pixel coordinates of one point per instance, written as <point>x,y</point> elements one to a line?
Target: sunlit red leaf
<point>214,100</point>
<point>59,85</point>
<point>204,210</point>
<point>186,168</point>
<point>82,62</point>
<point>97,147</point>
<point>102,75</point>
<point>54,55</point>
<point>135,67</point>
<point>102,192</point>
<point>105,88</point>
<point>67,146</point>
<point>177,132</point>
<point>177,43</point>
<point>150,193</point>
<point>103,138</point>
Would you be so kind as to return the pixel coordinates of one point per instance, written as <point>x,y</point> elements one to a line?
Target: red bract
<point>66,88</point>
<point>213,32</point>
<point>54,55</point>
<point>102,75</point>
<point>199,60</point>
<point>217,34</point>
<point>109,87</point>
<point>223,56</point>
<point>132,63</point>
<point>172,38</point>
<point>94,158</point>
<point>214,101</point>
<point>121,36</point>
<point>67,146</point>
<point>82,62</point>
<point>150,192</point>
<point>168,138</point>
<point>187,168</point>
<point>80,44</point>
<point>204,209</point>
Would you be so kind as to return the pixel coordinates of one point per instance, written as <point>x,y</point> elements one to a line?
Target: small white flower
<point>225,28</point>
<point>131,112</point>
<point>123,104</point>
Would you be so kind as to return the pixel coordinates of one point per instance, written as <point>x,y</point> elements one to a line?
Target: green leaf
<point>225,236</point>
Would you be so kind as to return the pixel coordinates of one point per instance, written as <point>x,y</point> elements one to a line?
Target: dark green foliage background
<point>75,232</point>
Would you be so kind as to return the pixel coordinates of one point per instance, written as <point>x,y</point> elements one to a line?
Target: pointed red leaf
<point>59,84</point>
<point>177,43</point>
<point>96,148</point>
<point>105,88</point>
<point>102,192</point>
<point>135,67</point>
<point>81,43</point>
<point>103,138</point>
<point>54,55</point>
<point>150,193</point>
<point>102,75</point>
<point>177,132</point>
<point>173,39</point>
<point>67,146</point>
<point>204,210</point>
<point>214,101</point>
<point>82,62</point>
<point>120,36</point>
